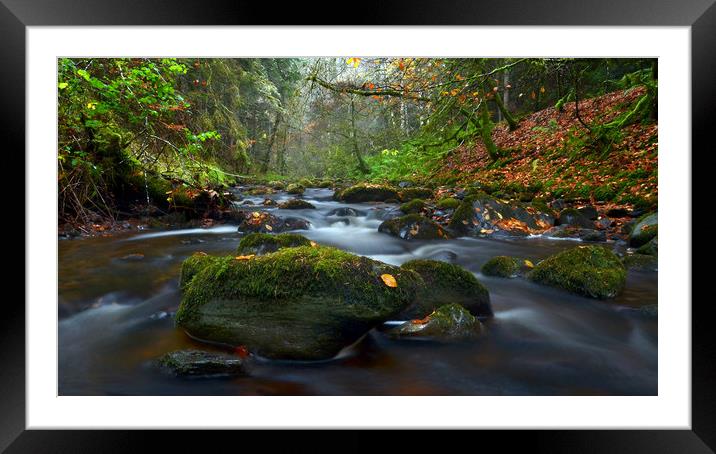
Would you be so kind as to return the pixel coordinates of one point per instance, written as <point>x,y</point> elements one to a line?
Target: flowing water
<point>115,317</point>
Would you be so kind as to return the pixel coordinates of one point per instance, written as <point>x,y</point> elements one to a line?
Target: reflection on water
<point>117,297</point>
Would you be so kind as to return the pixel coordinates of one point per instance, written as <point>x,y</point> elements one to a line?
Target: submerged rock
<point>644,230</point>
<point>195,363</point>
<point>264,222</point>
<point>577,233</point>
<point>483,215</point>
<point>345,212</point>
<point>367,192</point>
<point>446,283</point>
<point>413,226</point>
<point>591,271</point>
<point>451,321</point>
<point>650,248</point>
<point>264,243</point>
<point>641,262</point>
<point>297,303</point>
<point>504,266</point>
<point>296,204</point>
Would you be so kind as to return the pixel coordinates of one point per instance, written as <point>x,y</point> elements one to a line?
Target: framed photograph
<point>445,218</point>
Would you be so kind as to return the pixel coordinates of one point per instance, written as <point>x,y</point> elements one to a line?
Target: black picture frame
<point>16,15</point>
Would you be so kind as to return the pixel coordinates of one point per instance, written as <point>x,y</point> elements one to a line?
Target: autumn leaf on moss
<point>389,280</point>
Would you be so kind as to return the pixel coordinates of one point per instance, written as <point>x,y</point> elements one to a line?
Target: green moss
<point>306,183</point>
<point>302,302</point>
<point>447,203</point>
<point>463,215</point>
<point>278,185</point>
<point>446,283</point>
<point>262,243</point>
<point>641,262</point>
<point>645,228</point>
<point>294,188</point>
<point>541,205</point>
<point>296,204</point>
<point>191,266</point>
<point>591,271</point>
<point>502,266</point>
<point>451,321</point>
<point>650,248</point>
<point>368,192</point>
<point>415,193</point>
<point>414,206</point>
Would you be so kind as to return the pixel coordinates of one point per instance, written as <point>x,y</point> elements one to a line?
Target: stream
<point>115,317</point>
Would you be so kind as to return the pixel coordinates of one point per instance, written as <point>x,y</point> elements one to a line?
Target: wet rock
<point>263,222</point>
<point>278,185</point>
<point>133,257</point>
<point>367,192</point>
<point>413,226</point>
<point>644,230</point>
<point>573,217</point>
<point>559,204</point>
<point>650,248</point>
<point>248,202</point>
<point>591,271</point>
<point>295,188</point>
<point>404,184</point>
<point>588,212</point>
<point>409,194</point>
<point>345,212</point>
<point>603,223</point>
<point>296,204</point>
<point>269,203</point>
<point>198,363</point>
<point>505,266</point>
<point>303,303</point>
<point>446,283</point>
<point>193,241</point>
<point>443,256</point>
<point>264,243</point>
<point>451,321</point>
<point>484,215</point>
<point>414,206</point>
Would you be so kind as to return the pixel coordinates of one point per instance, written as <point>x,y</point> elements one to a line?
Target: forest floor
<point>549,154</point>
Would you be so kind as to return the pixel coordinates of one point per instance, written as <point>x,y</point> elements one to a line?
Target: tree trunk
<point>267,156</point>
<point>362,166</point>
<point>505,113</point>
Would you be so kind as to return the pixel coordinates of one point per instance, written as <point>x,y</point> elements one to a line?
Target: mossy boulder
<point>479,215</point>
<point>413,227</point>
<point>650,248</point>
<point>295,189</point>
<point>414,206</point>
<point>446,283</point>
<point>447,203</point>
<point>345,212</point>
<point>450,321</point>
<point>415,193</point>
<point>278,185</point>
<point>573,217</point>
<point>264,243</point>
<point>306,183</point>
<point>302,303</point>
<point>198,363</point>
<point>645,228</point>
<point>591,271</point>
<point>504,266</point>
<point>367,192</point>
<point>296,204</point>
<point>264,222</point>
<point>192,265</point>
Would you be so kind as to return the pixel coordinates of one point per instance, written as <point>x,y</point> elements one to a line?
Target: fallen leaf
<point>529,264</point>
<point>268,227</point>
<point>314,244</point>
<point>245,257</point>
<point>389,280</point>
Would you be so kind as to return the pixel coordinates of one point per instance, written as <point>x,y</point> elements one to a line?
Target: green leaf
<point>83,74</point>
<point>62,85</point>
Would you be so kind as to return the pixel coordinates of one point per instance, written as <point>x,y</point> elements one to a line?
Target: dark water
<point>116,317</point>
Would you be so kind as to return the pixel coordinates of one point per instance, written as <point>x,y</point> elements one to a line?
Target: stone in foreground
<point>591,271</point>
<point>446,283</point>
<point>451,321</point>
<point>198,363</point>
<point>304,303</point>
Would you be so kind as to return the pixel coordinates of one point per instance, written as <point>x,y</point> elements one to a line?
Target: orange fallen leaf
<point>245,257</point>
<point>268,227</point>
<point>389,280</point>
<point>314,244</point>
<point>529,264</point>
